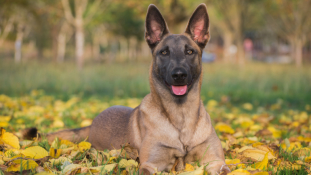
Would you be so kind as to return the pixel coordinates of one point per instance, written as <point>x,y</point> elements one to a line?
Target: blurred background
<point>259,52</point>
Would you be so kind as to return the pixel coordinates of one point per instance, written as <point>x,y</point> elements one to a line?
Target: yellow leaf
<point>4,124</point>
<point>198,171</point>
<point>45,173</point>
<point>111,159</point>
<point>291,146</point>
<point>5,118</point>
<point>239,172</point>
<point>70,168</point>
<point>232,161</point>
<point>26,165</point>
<point>83,146</point>
<point>244,148</point>
<point>55,153</point>
<point>26,143</point>
<point>35,152</point>
<point>189,167</point>
<point>66,142</point>
<point>86,122</point>
<point>104,168</point>
<point>12,152</point>
<point>262,173</point>
<point>9,139</point>
<point>59,161</point>
<point>222,127</point>
<point>275,133</point>
<point>302,152</point>
<point>257,154</point>
<point>248,106</point>
<point>58,123</point>
<point>127,163</point>
<point>308,159</point>
<point>265,148</point>
<point>257,144</point>
<point>263,164</point>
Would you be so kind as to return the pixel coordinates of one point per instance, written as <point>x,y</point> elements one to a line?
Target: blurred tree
<point>78,16</point>
<point>233,18</point>
<point>21,20</point>
<point>291,20</point>
<point>6,26</point>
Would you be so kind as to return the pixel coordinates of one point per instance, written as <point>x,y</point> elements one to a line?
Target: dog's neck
<point>179,111</point>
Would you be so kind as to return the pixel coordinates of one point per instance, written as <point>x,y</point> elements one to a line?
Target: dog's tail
<point>73,135</point>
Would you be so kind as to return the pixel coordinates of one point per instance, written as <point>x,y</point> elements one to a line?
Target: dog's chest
<point>190,132</point>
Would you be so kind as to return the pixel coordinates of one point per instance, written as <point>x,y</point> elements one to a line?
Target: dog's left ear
<point>198,26</point>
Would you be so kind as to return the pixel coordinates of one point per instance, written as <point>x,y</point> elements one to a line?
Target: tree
<point>291,20</point>
<point>9,18</point>
<point>233,18</point>
<point>78,17</point>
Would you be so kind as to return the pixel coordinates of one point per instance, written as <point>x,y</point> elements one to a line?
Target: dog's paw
<point>224,170</point>
<point>147,169</point>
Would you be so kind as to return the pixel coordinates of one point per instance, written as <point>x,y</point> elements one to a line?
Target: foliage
<point>255,139</point>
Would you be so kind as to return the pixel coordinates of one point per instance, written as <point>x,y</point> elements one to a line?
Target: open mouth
<point>179,90</point>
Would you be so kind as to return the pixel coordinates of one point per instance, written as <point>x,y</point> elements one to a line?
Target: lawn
<point>261,113</point>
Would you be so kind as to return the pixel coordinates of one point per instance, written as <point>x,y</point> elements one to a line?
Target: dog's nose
<point>179,74</point>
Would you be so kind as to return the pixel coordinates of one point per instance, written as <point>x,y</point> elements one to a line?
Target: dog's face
<point>177,58</point>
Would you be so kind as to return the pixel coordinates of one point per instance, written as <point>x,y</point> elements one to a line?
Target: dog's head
<point>177,58</point>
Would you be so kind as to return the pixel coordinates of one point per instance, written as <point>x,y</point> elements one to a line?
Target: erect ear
<point>198,26</point>
<point>155,26</point>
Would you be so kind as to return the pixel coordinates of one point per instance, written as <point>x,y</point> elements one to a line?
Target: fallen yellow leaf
<point>26,165</point>
<point>127,163</point>
<point>232,161</point>
<point>222,127</point>
<point>9,139</point>
<point>239,172</point>
<point>86,122</point>
<point>189,167</point>
<point>263,164</point>
<point>198,171</point>
<point>257,154</point>
<point>83,146</point>
<point>35,152</point>
<point>55,153</point>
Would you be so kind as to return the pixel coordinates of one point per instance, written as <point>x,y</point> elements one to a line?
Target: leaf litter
<point>256,140</point>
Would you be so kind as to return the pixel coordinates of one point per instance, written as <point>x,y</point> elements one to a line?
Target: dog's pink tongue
<point>179,90</point>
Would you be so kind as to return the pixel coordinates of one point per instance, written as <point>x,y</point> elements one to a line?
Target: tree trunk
<point>79,45</point>
<point>228,40</point>
<point>240,51</point>
<point>298,53</point>
<point>6,30</point>
<point>18,43</point>
<point>61,44</point>
<point>133,48</point>
<point>96,47</point>
<point>123,49</point>
<point>54,42</point>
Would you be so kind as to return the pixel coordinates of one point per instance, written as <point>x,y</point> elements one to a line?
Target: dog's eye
<point>189,52</point>
<point>164,52</point>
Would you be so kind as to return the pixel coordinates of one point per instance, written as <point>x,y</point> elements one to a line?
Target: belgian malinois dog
<point>171,123</point>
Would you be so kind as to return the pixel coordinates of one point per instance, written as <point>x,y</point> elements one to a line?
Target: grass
<point>257,83</point>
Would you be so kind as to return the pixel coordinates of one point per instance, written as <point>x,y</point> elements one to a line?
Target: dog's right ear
<point>155,26</point>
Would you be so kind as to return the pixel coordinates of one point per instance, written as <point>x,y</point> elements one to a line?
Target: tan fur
<point>162,130</point>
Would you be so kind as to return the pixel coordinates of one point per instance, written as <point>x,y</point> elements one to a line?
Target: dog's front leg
<point>209,154</point>
<point>155,157</point>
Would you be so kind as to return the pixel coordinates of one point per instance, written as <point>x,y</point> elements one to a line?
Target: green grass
<point>259,84</point>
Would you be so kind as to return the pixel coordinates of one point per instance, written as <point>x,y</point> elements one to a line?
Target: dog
<point>171,124</point>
